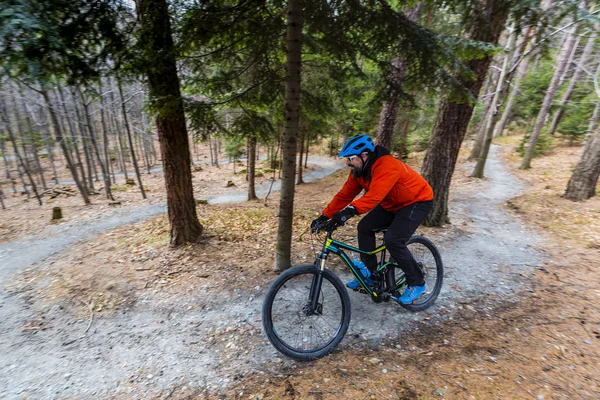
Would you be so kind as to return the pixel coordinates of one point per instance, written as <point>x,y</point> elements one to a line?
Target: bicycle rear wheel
<point>292,327</point>
<point>429,260</point>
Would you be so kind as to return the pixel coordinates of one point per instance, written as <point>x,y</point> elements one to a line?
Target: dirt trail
<point>489,260</point>
<point>168,340</point>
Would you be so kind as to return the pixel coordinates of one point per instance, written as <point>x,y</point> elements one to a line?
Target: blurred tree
<point>485,23</point>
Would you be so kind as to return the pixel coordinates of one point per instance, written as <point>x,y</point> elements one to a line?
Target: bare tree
<point>130,140</point>
<point>43,124</point>
<point>34,149</point>
<point>493,114</point>
<point>96,147</point>
<point>71,132</point>
<point>60,140</point>
<point>251,167</point>
<point>488,95</point>
<point>7,125</point>
<point>7,164</point>
<point>574,79</point>
<point>550,93</point>
<point>299,178</point>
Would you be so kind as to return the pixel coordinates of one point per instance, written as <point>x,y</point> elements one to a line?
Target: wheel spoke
<point>297,330</point>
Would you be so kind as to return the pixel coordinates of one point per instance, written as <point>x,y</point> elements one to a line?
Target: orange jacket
<point>393,184</point>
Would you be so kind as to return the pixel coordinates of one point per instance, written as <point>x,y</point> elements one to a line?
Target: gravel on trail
<point>166,341</point>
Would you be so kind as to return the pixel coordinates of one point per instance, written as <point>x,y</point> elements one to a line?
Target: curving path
<point>198,342</point>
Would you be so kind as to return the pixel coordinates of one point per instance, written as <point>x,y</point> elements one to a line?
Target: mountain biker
<point>396,197</point>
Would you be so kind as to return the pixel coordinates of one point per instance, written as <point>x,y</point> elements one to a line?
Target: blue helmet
<point>357,145</point>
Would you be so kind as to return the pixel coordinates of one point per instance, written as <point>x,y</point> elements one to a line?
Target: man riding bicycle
<point>396,197</point>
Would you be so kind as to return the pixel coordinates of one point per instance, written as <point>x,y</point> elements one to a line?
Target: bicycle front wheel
<point>429,260</point>
<point>290,323</point>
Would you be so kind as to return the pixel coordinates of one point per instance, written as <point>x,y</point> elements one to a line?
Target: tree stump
<point>56,213</point>
<point>130,182</point>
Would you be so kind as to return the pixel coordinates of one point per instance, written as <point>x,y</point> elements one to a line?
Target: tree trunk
<point>592,124</point>
<point>5,118</point>
<point>96,147</point>
<point>402,149</point>
<point>34,148</point>
<point>251,167</point>
<point>105,143</point>
<point>7,165</point>
<point>570,59</point>
<point>119,148</point>
<point>299,179</point>
<point>550,93</point>
<point>582,184</point>
<point>71,133</point>
<point>59,139</point>
<point>24,160</point>
<point>85,140</point>
<point>164,88</point>
<point>522,69</point>
<point>46,133</point>
<point>453,118</point>
<point>574,79</point>
<point>290,135</point>
<point>493,115</point>
<point>136,168</point>
<point>307,145</point>
<point>395,79</point>
<point>489,94</point>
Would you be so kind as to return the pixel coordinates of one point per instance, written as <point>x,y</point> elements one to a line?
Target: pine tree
<point>157,44</point>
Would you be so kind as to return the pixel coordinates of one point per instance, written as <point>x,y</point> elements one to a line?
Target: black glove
<point>316,224</point>
<point>341,217</point>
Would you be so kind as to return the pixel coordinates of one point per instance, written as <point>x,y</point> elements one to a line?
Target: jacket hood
<point>380,151</point>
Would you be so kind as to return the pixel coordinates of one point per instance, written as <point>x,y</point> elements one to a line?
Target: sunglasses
<point>350,158</point>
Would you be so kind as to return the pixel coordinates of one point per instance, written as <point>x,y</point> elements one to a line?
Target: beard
<point>356,171</point>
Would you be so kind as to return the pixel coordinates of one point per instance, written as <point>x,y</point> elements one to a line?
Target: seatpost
<point>382,257</point>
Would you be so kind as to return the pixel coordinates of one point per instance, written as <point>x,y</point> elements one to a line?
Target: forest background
<point>94,94</point>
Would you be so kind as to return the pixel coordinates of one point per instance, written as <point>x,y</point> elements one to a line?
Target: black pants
<point>401,225</point>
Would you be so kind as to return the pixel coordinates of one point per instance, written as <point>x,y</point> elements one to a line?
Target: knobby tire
<point>286,324</point>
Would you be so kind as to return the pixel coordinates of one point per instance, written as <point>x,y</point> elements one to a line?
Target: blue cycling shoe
<point>412,293</point>
<point>354,285</point>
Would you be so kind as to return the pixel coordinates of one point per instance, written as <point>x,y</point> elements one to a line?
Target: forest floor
<point>118,314</point>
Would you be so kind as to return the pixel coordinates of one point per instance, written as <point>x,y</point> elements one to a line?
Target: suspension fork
<point>317,281</point>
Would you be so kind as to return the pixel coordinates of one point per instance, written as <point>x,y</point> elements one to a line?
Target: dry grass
<point>545,345</point>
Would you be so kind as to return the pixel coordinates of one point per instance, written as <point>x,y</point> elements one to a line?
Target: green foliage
<point>252,123</point>
<point>578,113</point>
<point>43,40</point>
<point>235,147</point>
<point>543,144</point>
<point>476,117</point>
<point>421,125</point>
<point>531,96</point>
<point>233,53</point>
<point>204,120</point>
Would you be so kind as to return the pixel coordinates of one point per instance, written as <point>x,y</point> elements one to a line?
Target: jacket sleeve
<point>346,194</point>
<point>383,179</point>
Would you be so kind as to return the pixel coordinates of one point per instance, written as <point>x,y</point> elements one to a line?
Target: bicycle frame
<point>336,247</point>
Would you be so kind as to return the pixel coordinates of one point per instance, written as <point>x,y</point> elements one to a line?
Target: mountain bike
<point>306,311</point>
